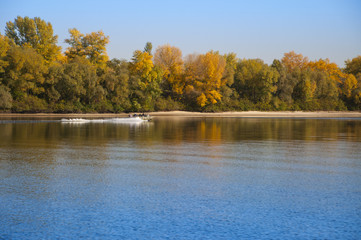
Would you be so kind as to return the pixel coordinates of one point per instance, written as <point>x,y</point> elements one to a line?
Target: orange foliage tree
<point>331,69</point>
<point>293,60</point>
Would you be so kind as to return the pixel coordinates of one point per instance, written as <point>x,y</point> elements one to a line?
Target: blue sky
<point>252,29</point>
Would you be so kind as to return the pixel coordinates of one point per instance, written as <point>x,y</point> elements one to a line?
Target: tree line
<point>36,76</point>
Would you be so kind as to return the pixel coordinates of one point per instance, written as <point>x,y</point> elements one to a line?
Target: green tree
<point>54,74</point>
<point>229,96</point>
<point>353,66</point>
<point>148,48</point>
<point>255,80</point>
<point>304,91</point>
<point>286,82</point>
<point>5,98</point>
<point>115,82</point>
<point>36,33</point>
<point>79,83</point>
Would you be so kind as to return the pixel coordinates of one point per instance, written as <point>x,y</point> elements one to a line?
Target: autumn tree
<point>339,82</point>
<point>91,46</point>
<point>144,81</point>
<point>203,75</point>
<point>25,76</point>
<point>169,60</point>
<point>36,33</point>
<point>331,69</point>
<point>4,47</point>
<point>292,60</point>
<point>349,85</point>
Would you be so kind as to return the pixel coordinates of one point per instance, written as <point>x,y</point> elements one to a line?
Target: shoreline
<point>246,114</point>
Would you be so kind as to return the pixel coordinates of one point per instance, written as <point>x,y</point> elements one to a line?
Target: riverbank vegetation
<point>36,76</point>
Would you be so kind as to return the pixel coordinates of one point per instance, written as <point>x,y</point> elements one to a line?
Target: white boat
<point>107,120</point>
<point>75,120</point>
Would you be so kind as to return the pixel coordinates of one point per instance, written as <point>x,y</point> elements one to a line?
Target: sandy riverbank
<point>321,114</point>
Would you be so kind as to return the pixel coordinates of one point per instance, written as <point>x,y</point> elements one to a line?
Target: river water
<point>181,178</point>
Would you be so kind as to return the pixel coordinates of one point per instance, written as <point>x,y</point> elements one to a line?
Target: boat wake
<point>108,120</point>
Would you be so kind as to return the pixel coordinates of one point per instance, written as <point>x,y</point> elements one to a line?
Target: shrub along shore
<point>36,76</point>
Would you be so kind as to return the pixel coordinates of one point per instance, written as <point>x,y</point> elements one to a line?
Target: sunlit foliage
<point>170,61</point>
<point>91,46</point>
<point>35,33</point>
<point>203,77</point>
<point>292,61</point>
<point>36,77</point>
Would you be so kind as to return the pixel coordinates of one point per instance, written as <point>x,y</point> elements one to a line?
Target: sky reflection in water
<point>186,178</point>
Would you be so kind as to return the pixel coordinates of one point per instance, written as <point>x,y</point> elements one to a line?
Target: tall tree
<point>286,82</point>
<point>169,60</point>
<point>148,48</point>
<point>292,60</point>
<point>91,46</point>
<point>229,96</point>
<point>36,33</point>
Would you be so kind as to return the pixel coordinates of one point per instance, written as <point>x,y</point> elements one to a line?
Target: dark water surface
<point>186,178</point>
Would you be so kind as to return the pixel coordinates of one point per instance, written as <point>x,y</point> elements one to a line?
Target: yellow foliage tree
<point>144,80</point>
<point>202,100</point>
<point>142,64</point>
<point>349,85</point>
<point>36,33</point>
<point>4,47</point>
<point>204,76</point>
<point>91,46</point>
